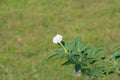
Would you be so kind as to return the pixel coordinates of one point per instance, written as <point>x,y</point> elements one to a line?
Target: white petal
<point>57,39</point>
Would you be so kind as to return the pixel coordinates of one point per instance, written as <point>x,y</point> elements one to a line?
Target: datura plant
<point>87,61</point>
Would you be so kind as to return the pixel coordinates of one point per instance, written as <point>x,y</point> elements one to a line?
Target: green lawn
<point>28,26</point>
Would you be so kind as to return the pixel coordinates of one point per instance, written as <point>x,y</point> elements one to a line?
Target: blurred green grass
<point>28,26</point>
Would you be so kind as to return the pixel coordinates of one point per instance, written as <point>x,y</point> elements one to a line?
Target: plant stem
<point>64,48</point>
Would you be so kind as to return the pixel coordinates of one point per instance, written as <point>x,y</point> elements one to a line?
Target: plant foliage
<point>88,60</point>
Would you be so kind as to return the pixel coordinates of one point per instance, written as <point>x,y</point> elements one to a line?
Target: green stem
<point>64,48</point>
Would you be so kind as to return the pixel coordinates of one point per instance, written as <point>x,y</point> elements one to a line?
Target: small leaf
<point>75,53</point>
<point>67,63</point>
<point>59,50</point>
<point>74,58</point>
<point>78,44</point>
<point>54,56</point>
<point>99,51</point>
<point>95,52</point>
<point>64,55</point>
<point>91,77</point>
<point>71,45</point>
<point>116,55</point>
<point>84,49</point>
<point>116,48</point>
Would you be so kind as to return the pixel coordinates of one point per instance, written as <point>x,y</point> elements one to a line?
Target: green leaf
<point>116,55</point>
<point>79,45</point>
<point>96,72</point>
<point>71,46</point>
<point>67,63</point>
<point>75,44</point>
<point>95,52</point>
<point>75,58</point>
<point>91,78</point>
<point>64,55</point>
<point>77,67</point>
<point>84,49</point>
<point>78,42</point>
<point>54,56</point>
<point>59,50</point>
<point>92,52</point>
<point>99,51</point>
<point>74,52</point>
<point>116,48</point>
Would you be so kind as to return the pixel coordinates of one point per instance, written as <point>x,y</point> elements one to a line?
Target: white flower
<point>57,39</point>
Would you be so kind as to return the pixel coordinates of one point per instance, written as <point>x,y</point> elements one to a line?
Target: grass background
<point>28,26</point>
